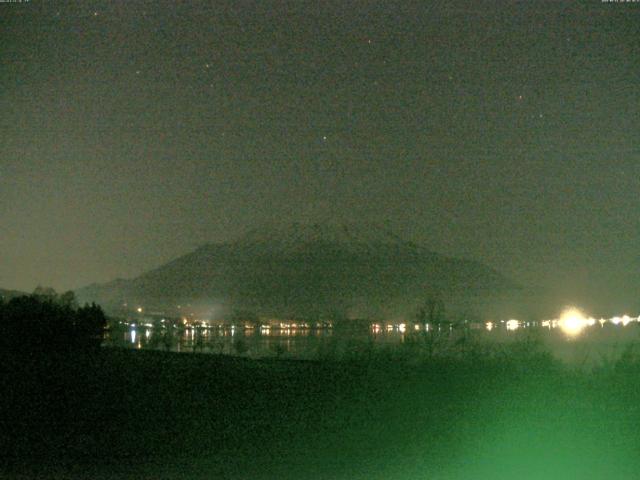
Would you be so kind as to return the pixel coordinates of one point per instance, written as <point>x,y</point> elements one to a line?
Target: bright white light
<point>402,327</point>
<point>572,321</point>
<point>489,326</point>
<point>139,309</point>
<point>512,324</point>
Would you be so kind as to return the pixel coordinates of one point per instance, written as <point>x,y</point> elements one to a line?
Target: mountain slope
<point>308,270</point>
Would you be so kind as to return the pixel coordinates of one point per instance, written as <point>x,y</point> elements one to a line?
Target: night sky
<point>507,132</point>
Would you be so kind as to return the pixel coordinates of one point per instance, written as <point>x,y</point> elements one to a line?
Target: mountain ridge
<point>314,270</point>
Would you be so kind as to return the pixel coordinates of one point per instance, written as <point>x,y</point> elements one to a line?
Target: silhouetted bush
<point>278,350</point>
<point>240,347</point>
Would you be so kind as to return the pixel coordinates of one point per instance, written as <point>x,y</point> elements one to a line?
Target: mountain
<point>314,270</point>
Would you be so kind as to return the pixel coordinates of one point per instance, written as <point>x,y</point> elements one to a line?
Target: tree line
<point>46,321</point>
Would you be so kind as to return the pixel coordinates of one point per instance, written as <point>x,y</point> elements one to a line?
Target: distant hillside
<point>9,294</point>
<point>309,270</point>
<point>6,295</point>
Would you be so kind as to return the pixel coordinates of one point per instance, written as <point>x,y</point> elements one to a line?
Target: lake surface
<point>584,344</point>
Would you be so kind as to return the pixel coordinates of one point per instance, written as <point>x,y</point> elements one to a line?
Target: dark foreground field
<point>139,414</point>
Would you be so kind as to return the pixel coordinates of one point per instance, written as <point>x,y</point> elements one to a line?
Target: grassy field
<point>144,414</point>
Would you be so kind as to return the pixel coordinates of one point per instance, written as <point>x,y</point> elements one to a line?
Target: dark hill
<point>316,270</point>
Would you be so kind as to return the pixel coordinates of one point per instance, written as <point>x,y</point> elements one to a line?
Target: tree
<point>45,293</point>
<point>89,324</point>
<point>432,310</point>
<point>38,324</point>
<point>68,299</point>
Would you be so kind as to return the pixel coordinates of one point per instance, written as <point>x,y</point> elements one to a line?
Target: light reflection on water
<point>572,339</point>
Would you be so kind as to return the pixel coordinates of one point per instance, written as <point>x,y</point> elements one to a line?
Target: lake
<point>583,342</point>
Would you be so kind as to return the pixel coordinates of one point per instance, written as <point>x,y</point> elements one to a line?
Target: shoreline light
<point>573,321</point>
<point>513,324</point>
